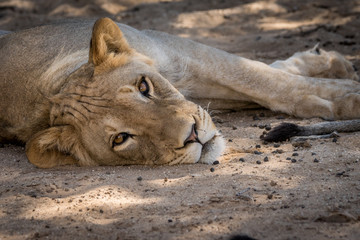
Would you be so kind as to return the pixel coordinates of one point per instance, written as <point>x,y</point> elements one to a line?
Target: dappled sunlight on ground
<point>109,199</point>
<point>272,23</point>
<point>213,18</point>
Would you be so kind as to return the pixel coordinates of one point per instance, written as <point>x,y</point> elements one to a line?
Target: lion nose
<point>193,137</point>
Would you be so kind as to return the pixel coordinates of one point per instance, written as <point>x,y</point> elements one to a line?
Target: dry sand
<point>276,199</point>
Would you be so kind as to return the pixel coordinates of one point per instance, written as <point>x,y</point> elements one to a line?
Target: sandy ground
<point>314,195</point>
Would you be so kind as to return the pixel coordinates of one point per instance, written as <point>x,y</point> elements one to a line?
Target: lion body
<point>39,64</point>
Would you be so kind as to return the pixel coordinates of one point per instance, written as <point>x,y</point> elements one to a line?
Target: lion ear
<point>107,40</point>
<point>316,49</point>
<point>55,146</point>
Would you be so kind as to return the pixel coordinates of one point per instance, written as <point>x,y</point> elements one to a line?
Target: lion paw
<point>318,63</point>
<point>341,107</point>
<point>336,66</point>
<point>347,107</point>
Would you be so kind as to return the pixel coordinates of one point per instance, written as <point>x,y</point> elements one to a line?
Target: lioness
<point>121,100</point>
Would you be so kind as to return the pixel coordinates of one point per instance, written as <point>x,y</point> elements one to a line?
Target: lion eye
<point>120,139</point>
<point>144,87</point>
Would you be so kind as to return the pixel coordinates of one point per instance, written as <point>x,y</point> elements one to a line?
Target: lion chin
<point>212,149</point>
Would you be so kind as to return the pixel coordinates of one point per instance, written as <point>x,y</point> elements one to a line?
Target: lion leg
<point>318,63</point>
<point>278,90</point>
<point>306,97</point>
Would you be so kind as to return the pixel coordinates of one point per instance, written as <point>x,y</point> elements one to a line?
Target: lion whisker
<point>207,107</point>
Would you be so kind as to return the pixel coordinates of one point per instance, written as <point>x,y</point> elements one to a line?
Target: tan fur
<point>53,146</point>
<point>69,109</point>
<point>109,48</point>
<point>318,63</point>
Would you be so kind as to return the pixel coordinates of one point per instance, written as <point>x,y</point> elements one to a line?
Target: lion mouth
<point>203,143</point>
<point>205,147</point>
<point>193,137</point>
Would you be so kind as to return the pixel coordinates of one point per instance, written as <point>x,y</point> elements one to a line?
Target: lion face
<point>117,110</point>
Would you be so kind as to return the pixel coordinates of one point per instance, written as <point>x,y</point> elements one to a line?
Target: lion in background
<point>123,99</point>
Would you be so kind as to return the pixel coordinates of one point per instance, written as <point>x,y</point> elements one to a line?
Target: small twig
<point>242,192</point>
<point>314,137</point>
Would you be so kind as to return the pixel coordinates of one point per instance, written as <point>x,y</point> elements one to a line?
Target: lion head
<point>118,110</point>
